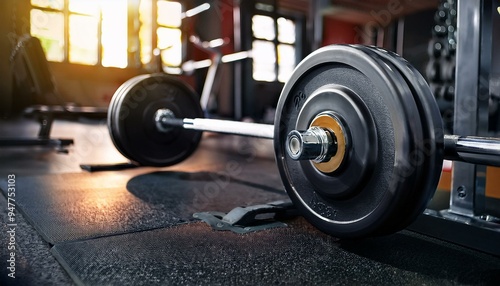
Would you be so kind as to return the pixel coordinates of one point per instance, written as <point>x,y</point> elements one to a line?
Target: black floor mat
<point>78,206</point>
<point>193,254</point>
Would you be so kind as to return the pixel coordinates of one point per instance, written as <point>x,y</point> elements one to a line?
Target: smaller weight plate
<point>132,126</point>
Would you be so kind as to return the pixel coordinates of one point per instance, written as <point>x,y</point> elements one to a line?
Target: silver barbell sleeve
<point>474,150</point>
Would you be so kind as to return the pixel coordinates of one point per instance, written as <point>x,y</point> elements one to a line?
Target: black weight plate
<point>378,198</point>
<point>429,155</point>
<point>113,115</point>
<point>132,126</point>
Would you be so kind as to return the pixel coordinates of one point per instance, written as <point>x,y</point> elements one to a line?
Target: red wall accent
<point>227,24</point>
<point>338,32</point>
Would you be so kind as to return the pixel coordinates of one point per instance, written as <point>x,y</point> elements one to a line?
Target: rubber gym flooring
<point>136,226</point>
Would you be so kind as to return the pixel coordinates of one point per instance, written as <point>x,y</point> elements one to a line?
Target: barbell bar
<point>309,144</point>
<point>257,130</point>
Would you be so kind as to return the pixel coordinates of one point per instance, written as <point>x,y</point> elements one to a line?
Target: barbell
<point>358,137</point>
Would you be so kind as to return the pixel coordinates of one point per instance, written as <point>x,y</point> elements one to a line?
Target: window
<point>161,29</point>
<point>96,32</point>
<point>266,65</point>
<point>48,26</point>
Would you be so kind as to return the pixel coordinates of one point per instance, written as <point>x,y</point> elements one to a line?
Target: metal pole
<point>209,82</point>
<point>471,100</point>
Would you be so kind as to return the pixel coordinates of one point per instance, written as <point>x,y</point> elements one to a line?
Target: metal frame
<point>471,100</point>
<point>465,221</point>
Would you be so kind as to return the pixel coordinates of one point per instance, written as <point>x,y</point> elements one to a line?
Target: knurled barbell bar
<point>358,137</point>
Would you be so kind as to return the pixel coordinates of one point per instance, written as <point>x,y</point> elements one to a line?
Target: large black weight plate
<point>132,126</point>
<point>375,205</point>
<point>428,158</point>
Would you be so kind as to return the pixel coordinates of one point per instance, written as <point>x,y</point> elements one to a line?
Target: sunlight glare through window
<point>169,41</point>
<point>146,31</point>
<point>169,13</point>
<point>263,27</point>
<point>97,31</point>
<point>54,4</point>
<point>265,65</point>
<point>286,31</point>
<point>83,41</point>
<point>264,61</point>
<point>169,33</point>
<point>114,33</point>
<point>87,7</point>
<point>49,28</point>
